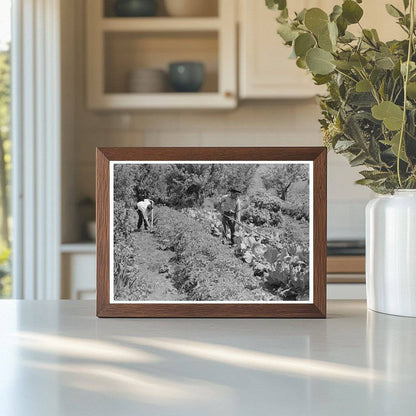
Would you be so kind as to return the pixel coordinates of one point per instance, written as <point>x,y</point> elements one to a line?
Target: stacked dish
<point>147,80</point>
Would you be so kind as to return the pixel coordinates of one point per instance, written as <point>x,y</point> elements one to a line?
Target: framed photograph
<point>211,232</point>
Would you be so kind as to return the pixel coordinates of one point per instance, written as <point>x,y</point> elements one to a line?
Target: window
<point>5,145</point>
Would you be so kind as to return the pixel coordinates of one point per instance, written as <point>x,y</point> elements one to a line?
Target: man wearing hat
<point>230,208</point>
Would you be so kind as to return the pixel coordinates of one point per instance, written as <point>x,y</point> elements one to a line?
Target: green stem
<point>373,89</point>
<point>392,90</point>
<point>345,75</point>
<point>406,80</point>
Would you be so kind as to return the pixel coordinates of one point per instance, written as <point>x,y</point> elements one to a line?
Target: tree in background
<point>136,182</point>
<point>282,177</point>
<point>4,144</point>
<point>5,164</point>
<point>189,184</point>
<point>178,185</point>
<point>238,176</point>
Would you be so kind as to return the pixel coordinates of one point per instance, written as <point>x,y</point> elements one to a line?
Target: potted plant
<point>368,115</point>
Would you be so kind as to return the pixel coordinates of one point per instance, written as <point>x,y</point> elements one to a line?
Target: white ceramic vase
<point>391,253</point>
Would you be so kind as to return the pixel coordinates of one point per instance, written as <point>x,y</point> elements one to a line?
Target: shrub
<point>266,209</point>
<point>205,269</point>
<point>124,221</point>
<point>129,282</point>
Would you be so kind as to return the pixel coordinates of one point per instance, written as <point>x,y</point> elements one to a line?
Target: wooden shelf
<point>163,101</point>
<point>159,24</point>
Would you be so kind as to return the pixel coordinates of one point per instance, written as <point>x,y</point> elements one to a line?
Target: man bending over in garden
<point>144,209</point>
<point>230,208</point>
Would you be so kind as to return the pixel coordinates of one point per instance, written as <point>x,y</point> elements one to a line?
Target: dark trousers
<point>228,221</point>
<point>141,221</point>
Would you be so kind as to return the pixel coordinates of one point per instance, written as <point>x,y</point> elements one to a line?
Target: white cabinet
<point>78,264</point>
<point>265,70</point>
<point>118,45</point>
<point>264,65</point>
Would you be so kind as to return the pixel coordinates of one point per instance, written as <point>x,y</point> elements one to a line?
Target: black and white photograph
<point>211,232</point>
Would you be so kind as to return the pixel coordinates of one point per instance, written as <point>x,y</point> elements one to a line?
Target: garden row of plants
<point>204,269</point>
<point>129,280</point>
<point>277,256</point>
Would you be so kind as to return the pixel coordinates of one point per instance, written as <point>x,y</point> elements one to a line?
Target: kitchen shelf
<point>159,24</point>
<point>127,51</point>
<point>166,101</point>
<point>116,46</point>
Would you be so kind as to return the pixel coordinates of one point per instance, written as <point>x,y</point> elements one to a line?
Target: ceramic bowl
<point>186,76</point>
<point>136,8</point>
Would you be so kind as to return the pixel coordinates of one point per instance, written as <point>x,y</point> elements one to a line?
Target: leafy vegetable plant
<point>277,258</point>
<point>369,112</point>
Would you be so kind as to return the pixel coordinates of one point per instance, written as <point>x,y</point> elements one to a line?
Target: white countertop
<point>57,359</point>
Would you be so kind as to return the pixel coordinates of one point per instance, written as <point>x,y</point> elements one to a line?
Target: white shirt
<point>145,206</point>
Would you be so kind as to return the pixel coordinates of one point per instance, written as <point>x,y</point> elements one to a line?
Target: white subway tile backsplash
<point>166,138</point>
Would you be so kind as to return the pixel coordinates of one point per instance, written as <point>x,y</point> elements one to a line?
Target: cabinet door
<point>265,68</point>
<point>78,276</point>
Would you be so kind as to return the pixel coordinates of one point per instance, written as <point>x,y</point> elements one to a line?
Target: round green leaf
<point>342,25</point>
<point>393,11</point>
<point>328,39</point>
<point>276,4</point>
<point>358,61</point>
<point>391,114</point>
<point>319,61</point>
<point>303,43</point>
<point>363,86</point>
<point>324,42</point>
<point>333,32</point>
<point>316,20</point>
<point>342,64</point>
<point>351,11</point>
<point>336,12</point>
<point>286,32</point>
<point>385,63</point>
<point>411,90</point>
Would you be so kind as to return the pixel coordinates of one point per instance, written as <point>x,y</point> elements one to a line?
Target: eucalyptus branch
<point>378,119</point>
<point>405,81</point>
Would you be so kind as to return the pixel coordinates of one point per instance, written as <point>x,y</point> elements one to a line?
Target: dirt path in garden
<point>151,258</point>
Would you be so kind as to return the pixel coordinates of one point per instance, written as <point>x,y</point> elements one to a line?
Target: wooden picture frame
<point>314,308</point>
